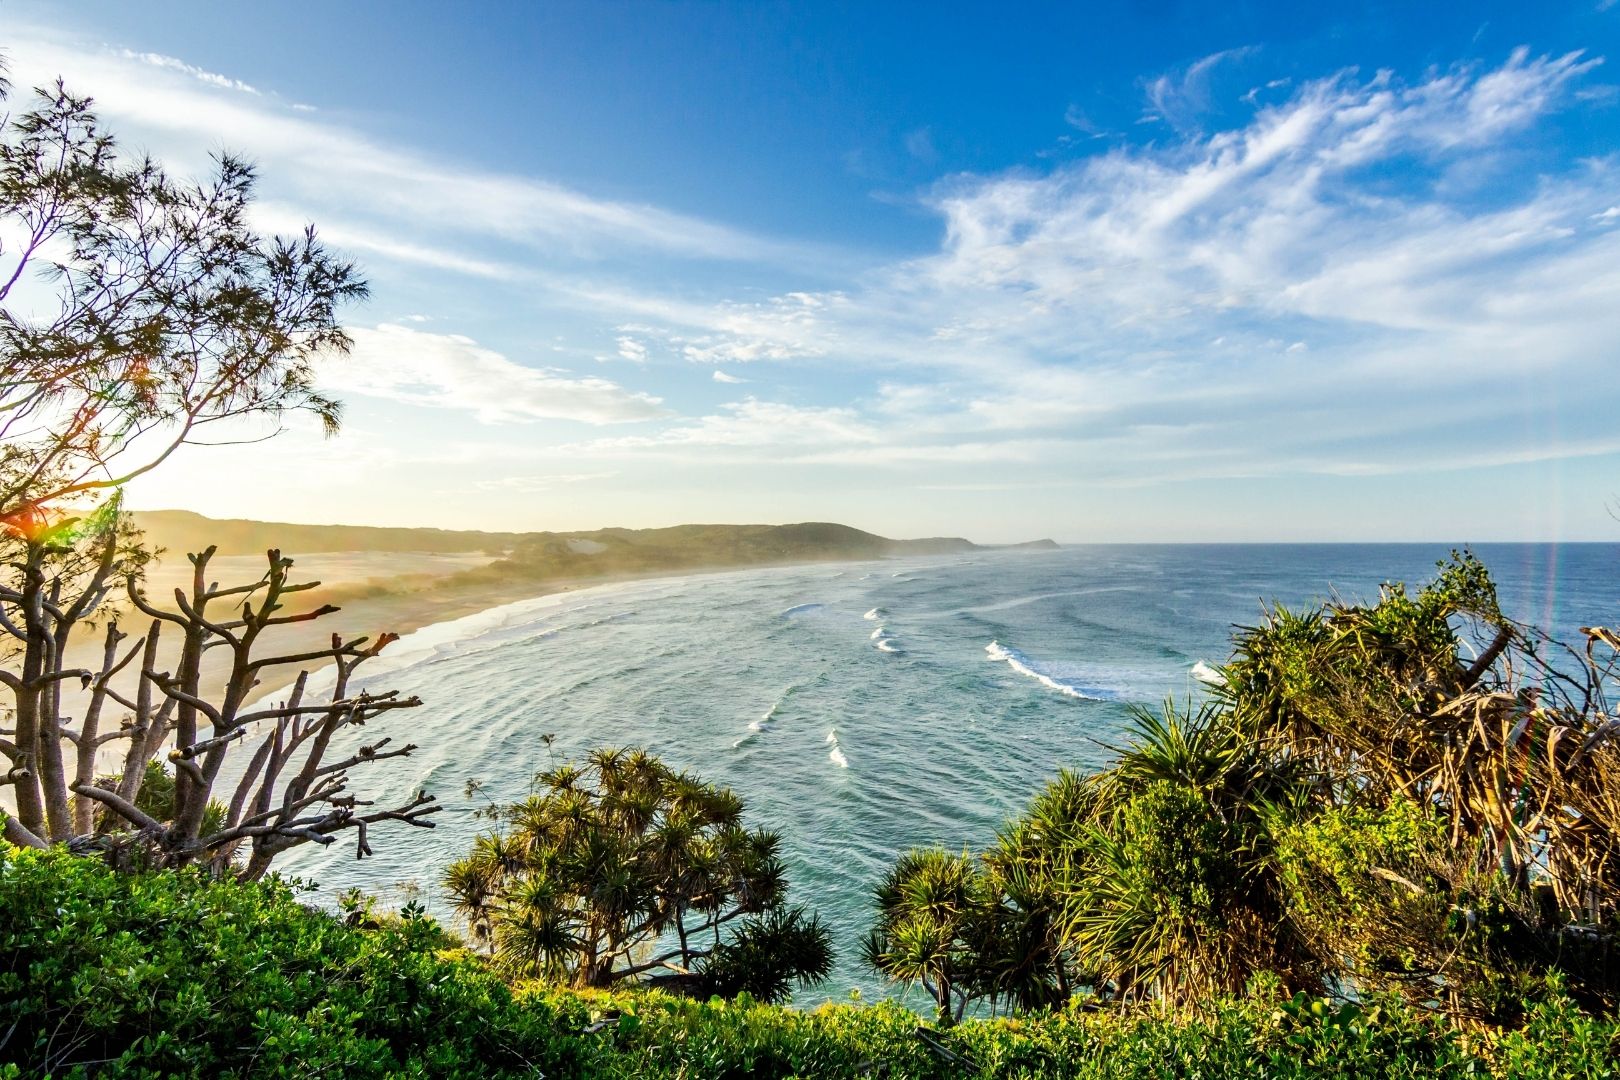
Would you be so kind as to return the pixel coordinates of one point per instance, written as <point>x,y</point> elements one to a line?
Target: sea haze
<point>861,708</point>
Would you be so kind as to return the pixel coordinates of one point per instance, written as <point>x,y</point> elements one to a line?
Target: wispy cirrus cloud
<point>358,183</point>
<point>751,427</point>
<point>1182,98</point>
<point>170,63</point>
<point>1274,273</point>
<point>450,371</point>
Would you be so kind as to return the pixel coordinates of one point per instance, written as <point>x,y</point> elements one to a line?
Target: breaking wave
<point>836,754</point>
<point>1025,666</point>
<point>767,719</point>
<point>884,641</point>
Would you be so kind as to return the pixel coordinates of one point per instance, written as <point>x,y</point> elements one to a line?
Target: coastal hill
<point>178,531</point>
<point>693,547</point>
<point>550,555</point>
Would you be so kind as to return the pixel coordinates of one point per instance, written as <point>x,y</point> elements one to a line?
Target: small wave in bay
<point>836,754</point>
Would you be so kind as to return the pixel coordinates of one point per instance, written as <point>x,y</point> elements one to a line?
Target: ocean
<point>860,709</point>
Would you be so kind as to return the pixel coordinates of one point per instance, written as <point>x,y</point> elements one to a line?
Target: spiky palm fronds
<point>604,859</point>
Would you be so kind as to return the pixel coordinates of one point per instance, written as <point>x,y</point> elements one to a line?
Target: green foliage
<point>622,869</point>
<point>172,314</point>
<point>931,907</point>
<point>1258,1034</point>
<point>1358,806</point>
<point>1455,845</point>
<point>766,955</point>
<point>1180,852</point>
<point>173,973</point>
<point>145,975</point>
<point>1173,891</point>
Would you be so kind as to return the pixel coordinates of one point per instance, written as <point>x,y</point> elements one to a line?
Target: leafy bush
<point>172,974</point>
<point>1359,806</point>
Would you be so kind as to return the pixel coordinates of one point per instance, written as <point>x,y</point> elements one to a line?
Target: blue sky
<point>1170,272</point>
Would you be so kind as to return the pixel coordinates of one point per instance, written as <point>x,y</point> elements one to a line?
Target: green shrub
<point>169,974</point>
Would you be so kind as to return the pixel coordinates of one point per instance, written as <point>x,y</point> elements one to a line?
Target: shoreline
<point>459,605</point>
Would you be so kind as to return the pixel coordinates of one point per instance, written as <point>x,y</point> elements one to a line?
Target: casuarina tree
<point>140,313</point>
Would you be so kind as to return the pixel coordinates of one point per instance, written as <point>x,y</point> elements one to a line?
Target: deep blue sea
<point>863,708</point>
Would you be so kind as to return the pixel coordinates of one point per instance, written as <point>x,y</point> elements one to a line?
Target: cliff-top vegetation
<point>1384,846</point>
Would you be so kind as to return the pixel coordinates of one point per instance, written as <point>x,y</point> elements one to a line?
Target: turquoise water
<point>861,708</point>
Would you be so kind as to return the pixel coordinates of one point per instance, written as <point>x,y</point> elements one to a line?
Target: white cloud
<point>169,63</point>
<point>920,145</point>
<point>1181,98</point>
<point>1132,317</point>
<point>1072,314</point>
<point>449,371</point>
<point>787,327</point>
<point>280,219</point>
<point>750,426</point>
<point>1269,223</point>
<point>523,485</point>
<point>347,175</point>
<point>1076,118</point>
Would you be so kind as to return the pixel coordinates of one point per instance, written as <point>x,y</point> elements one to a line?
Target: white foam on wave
<point>1207,675</point>
<point>884,641</point>
<point>516,622</point>
<point>761,723</point>
<point>801,609</point>
<point>603,621</point>
<point>875,614</point>
<point>493,627</point>
<point>1025,666</point>
<point>770,714</point>
<point>836,755</point>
